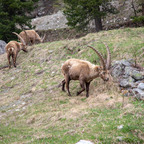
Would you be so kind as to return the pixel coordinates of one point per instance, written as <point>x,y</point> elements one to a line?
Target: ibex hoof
<point>78,93</point>
<point>63,90</point>
<point>87,96</point>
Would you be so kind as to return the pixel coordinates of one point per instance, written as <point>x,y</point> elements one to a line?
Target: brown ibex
<point>12,49</point>
<point>31,36</point>
<point>85,72</point>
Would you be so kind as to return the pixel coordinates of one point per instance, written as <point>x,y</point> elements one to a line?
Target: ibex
<point>85,72</point>
<point>31,36</point>
<point>12,49</point>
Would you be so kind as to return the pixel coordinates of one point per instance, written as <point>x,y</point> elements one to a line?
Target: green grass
<point>99,125</point>
<point>34,110</point>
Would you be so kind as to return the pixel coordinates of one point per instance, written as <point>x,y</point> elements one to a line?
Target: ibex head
<point>23,44</point>
<point>104,69</point>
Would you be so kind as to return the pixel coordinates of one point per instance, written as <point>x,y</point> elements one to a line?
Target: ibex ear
<point>97,68</point>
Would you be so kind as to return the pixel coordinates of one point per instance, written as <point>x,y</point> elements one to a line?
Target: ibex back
<point>31,36</point>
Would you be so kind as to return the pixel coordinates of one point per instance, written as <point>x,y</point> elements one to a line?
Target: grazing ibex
<point>12,49</point>
<point>85,72</point>
<point>31,36</point>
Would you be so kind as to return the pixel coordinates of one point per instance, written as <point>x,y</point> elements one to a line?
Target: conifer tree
<point>14,14</point>
<point>80,12</point>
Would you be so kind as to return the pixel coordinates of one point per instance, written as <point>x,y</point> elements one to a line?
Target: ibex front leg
<point>82,86</point>
<point>87,89</point>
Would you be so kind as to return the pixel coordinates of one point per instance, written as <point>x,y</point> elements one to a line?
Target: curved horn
<point>108,62</point>
<point>27,38</point>
<point>100,56</point>
<point>42,39</point>
<point>21,39</point>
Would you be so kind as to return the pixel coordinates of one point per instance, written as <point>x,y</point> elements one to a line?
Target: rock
<point>33,89</point>
<point>128,82</point>
<point>12,78</point>
<point>141,86</point>
<point>130,78</point>
<point>124,62</point>
<point>117,71</point>
<point>30,121</point>
<point>54,21</point>
<point>50,51</point>
<point>137,75</point>
<point>120,127</point>
<point>118,67</point>
<point>2,46</point>
<point>120,138</point>
<point>84,142</point>
<point>17,110</point>
<point>138,93</point>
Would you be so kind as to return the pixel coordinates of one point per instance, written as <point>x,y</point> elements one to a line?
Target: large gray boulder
<point>129,77</point>
<point>2,46</point>
<point>118,67</point>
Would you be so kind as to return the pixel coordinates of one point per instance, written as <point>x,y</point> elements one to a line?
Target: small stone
<point>23,103</point>
<point>33,89</point>
<point>31,121</point>
<point>17,110</point>
<point>84,142</point>
<point>50,51</point>
<point>12,78</point>
<point>120,127</point>
<point>139,93</point>
<point>141,86</point>
<point>120,138</point>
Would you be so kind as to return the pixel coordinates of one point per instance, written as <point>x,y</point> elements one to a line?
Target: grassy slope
<point>34,110</point>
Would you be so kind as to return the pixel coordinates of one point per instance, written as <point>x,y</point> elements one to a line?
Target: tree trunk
<point>143,9</point>
<point>98,24</point>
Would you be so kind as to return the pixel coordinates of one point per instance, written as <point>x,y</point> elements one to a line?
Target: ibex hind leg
<point>87,89</point>
<point>63,85</point>
<point>14,60</point>
<point>82,86</point>
<point>8,57</point>
<point>67,81</point>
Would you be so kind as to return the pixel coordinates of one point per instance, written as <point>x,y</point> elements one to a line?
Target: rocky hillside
<point>33,109</point>
<point>47,7</point>
<point>49,15</point>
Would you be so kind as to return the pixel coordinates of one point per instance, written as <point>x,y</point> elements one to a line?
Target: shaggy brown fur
<point>84,71</point>
<point>31,36</point>
<point>13,48</point>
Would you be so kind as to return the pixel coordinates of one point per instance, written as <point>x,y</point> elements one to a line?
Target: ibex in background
<point>85,72</point>
<point>31,36</point>
<point>13,48</point>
